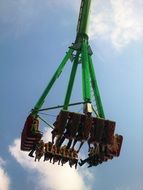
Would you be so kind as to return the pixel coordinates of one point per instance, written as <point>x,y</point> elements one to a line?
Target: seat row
<point>102,153</point>
<point>98,154</point>
<point>54,154</point>
<point>61,155</point>
<point>30,133</point>
<point>83,127</point>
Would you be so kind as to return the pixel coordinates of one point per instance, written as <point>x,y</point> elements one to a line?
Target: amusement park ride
<point>89,126</point>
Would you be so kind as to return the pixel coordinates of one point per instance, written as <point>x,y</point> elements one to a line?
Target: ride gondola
<point>70,127</point>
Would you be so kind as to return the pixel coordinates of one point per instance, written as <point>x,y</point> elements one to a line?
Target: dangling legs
<point>61,141</point>
<point>82,142</point>
<point>69,143</point>
<point>74,143</point>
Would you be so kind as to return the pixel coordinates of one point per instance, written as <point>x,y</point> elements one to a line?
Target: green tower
<point>97,131</point>
<point>79,52</point>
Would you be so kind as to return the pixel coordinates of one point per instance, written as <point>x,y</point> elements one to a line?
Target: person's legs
<point>32,151</point>
<point>82,162</point>
<point>69,143</point>
<point>61,141</point>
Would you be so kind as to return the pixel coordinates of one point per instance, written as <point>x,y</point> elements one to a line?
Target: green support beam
<point>81,50</point>
<point>95,89</point>
<point>71,82</point>
<point>85,73</point>
<point>83,17</point>
<point>55,76</point>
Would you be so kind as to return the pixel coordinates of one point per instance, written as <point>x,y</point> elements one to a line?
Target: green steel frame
<point>52,81</point>
<point>82,54</point>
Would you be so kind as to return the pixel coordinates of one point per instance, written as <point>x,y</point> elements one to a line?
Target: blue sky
<point>34,37</point>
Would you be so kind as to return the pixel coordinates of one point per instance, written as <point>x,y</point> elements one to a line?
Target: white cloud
<point>51,176</point>
<point>4,179</point>
<point>119,22</point>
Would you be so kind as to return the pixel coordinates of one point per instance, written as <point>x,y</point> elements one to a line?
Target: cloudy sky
<point>34,36</point>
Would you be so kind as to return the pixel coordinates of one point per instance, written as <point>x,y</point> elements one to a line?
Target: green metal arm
<point>81,47</point>
<point>95,89</point>
<point>85,73</point>
<point>71,82</point>
<point>83,17</point>
<point>55,76</point>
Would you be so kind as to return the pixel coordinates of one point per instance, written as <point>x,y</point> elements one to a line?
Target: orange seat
<point>115,148</point>
<point>25,148</point>
<point>87,124</point>
<point>98,125</point>
<point>27,137</point>
<point>108,133</point>
<point>60,122</point>
<point>119,141</point>
<point>72,125</point>
<point>79,135</point>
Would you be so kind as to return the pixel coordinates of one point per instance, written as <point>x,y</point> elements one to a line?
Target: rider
<point>35,147</point>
